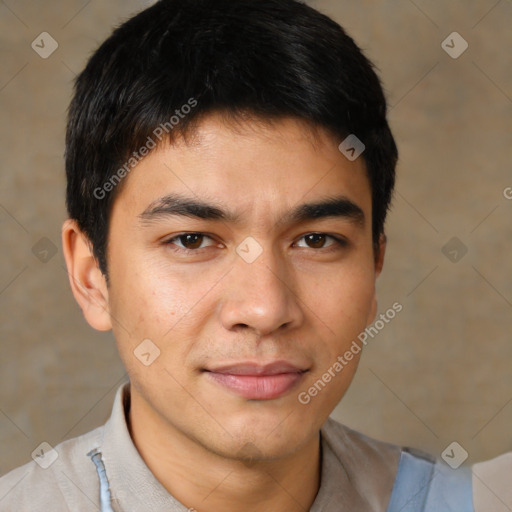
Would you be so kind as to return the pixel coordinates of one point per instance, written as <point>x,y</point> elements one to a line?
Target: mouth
<point>255,381</point>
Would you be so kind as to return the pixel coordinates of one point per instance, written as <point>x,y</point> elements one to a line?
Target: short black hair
<point>164,69</point>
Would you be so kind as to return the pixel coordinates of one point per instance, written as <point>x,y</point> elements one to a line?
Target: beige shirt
<point>357,474</point>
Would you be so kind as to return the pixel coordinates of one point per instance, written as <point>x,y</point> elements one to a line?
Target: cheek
<point>147,298</point>
<point>341,313</point>
<point>161,306</point>
<point>343,299</point>
<point>341,309</point>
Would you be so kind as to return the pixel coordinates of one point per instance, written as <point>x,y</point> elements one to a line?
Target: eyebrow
<point>177,205</point>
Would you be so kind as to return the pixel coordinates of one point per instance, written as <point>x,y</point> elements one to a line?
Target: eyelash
<point>339,242</point>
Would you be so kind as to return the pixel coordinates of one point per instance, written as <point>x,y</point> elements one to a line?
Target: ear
<point>379,255</point>
<point>379,263</point>
<point>88,284</point>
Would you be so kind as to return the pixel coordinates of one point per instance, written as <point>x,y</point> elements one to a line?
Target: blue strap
<point>451,490</point>
<point>423,484</point>
<point>105,503</point>
<point>411,484</point>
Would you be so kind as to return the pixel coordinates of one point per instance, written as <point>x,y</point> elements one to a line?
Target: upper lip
<point>251,368</point>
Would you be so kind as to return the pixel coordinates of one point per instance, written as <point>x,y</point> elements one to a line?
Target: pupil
<point>316,239</point>
<point>193,240</point>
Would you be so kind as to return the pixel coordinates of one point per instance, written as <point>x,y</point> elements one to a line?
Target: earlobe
<point>87,282</point>
<point>373,310</point>
<point>379,256</point>
<point>379,263</point>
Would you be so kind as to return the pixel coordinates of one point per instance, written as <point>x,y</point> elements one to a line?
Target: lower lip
<point>258,387</point>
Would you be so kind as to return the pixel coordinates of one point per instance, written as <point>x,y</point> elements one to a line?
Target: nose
<point>260,296</point>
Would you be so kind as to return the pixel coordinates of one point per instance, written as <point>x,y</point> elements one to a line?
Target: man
<point>229,171</point>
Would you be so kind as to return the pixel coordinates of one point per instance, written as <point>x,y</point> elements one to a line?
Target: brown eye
<point>191,240</point>
<point>321,241</point>
<point>315,240</point>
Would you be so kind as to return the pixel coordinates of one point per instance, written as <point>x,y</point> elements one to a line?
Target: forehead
<point>250,167</point>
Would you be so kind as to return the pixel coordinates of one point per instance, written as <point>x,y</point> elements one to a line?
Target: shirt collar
<point>344,483</point>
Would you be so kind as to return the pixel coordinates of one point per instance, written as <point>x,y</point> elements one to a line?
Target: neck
<point>203,480</point>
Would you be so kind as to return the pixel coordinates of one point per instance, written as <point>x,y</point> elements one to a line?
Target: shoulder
<point>368,464</point>
<point>492,489</point>
<point>60,478</point>
<point>359,448</point>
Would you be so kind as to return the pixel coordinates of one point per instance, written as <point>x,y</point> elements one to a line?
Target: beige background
<point>439,372</point>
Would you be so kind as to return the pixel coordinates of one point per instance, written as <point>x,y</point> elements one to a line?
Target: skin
<point>301,300</point>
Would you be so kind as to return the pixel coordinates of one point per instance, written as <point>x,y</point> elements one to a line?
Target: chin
<point>250,450</point>
<point>263,438</point>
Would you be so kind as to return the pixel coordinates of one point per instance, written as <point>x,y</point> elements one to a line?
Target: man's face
<point>248,308</point>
